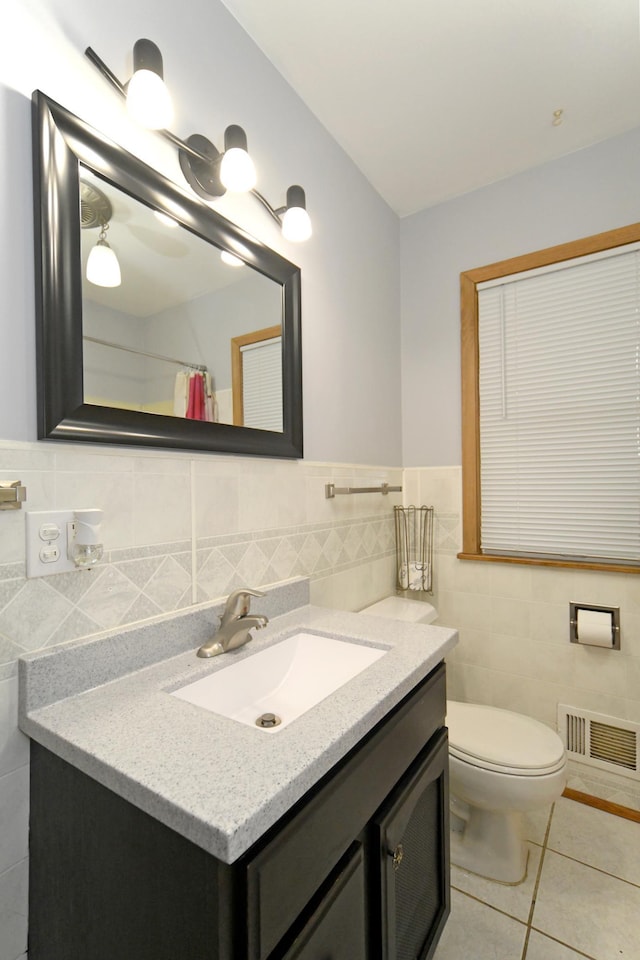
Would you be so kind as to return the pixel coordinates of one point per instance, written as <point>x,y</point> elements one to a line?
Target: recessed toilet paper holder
<point>588,637</point>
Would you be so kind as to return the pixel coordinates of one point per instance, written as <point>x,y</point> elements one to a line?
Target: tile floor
<point>581,896</point>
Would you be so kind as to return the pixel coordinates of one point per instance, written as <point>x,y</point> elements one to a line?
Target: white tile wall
<point>14,746</point>
<point>14,780</point>
<point>176,526</point>
<point>13,911</point>
<point>514,649</point>
<point>14,791</point>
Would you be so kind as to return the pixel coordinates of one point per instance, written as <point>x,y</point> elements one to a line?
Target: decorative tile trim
<point>447,533</point>
<point>137,583</point>
<point>313,550</point>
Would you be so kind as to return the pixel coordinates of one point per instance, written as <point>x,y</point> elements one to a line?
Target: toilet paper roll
<point>594,627</point>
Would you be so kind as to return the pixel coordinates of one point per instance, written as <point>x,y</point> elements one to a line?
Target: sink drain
<point>268,720</point>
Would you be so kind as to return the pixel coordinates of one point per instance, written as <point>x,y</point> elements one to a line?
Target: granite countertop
<point>218,782</point>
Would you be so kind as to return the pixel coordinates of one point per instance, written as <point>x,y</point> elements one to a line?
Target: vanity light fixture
<point>208,172</point>
<point>296,223</point>
<point>237,171</point>
<point>148,100</point>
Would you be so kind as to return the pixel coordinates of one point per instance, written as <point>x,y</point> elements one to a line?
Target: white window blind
<point>262,384</point>
<point>560,410</point>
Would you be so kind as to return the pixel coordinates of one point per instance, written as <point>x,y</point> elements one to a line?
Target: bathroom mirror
<point>148,359</point>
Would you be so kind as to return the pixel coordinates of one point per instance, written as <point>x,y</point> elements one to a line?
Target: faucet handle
<point>239,602</point>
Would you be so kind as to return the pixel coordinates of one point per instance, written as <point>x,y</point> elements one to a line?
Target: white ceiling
<point>434,98</point>
<point>161,267</point>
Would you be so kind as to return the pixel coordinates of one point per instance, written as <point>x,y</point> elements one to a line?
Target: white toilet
<point>501,764</point>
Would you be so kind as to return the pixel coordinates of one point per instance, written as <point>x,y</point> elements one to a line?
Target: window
<point>551,406</point>
<point>256,371</point>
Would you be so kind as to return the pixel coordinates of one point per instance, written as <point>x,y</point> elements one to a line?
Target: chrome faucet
<point>235,624</point>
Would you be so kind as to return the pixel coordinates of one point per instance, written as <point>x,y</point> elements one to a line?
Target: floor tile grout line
<point>590,866</point>
<point>525,946</point>
<point>529,927</point>
<point>484,903</point>
<point>562,943</point>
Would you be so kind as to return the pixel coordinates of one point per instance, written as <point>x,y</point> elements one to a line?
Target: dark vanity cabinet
<point>337,926</point>
<point>412,843</point>
<point>356,870</point>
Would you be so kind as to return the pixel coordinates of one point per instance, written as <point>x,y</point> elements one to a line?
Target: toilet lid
<point>502,740</point>
<point>402,608</point>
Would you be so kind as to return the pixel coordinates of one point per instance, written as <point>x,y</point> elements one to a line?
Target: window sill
<point>567,564</point>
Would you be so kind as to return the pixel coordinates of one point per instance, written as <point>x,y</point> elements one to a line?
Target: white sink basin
<point>285,679</point>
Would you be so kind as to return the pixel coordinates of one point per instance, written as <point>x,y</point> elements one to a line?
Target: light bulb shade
<point>296,222</point>
<point>148,100</point>
<point>237,172</point>
<point>103,268</point>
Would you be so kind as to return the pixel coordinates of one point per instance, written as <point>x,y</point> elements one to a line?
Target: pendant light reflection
<point>148,100</point>
<point>103,268</point>
<point>96,210</point>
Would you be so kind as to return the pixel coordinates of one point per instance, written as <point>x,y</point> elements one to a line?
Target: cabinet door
<point>285,871</point>
<point>336,928</point>
<point>412,830</point>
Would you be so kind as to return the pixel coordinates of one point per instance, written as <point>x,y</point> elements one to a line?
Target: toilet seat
<point>503,741</point>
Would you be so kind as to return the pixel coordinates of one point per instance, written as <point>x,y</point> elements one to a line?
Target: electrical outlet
<point>46,548</point>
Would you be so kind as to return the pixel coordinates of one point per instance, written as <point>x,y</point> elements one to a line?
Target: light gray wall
<point>217,75</point>
<point>584,193</point>
<point>201,330</point>
<point>109,373</point>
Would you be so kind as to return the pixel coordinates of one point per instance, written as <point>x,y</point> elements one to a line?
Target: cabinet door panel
<point>412,829</point>
<point>336,928</point>
<point>298,856</point>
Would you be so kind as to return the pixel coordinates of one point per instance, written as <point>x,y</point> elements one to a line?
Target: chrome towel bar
<point>331,491</point>
<point>12,494</point>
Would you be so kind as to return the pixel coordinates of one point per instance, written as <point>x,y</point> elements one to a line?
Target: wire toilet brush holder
<point>414,550</point>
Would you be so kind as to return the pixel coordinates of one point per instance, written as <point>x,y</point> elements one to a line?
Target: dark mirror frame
<point>61,142</point>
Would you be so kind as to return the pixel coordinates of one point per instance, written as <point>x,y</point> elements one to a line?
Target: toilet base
<point>489,844</point>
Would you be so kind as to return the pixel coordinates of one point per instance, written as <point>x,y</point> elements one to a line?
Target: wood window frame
<point>237,377</point>
<point>470,362</point>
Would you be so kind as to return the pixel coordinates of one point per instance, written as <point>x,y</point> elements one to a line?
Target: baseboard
<point>615,808</point>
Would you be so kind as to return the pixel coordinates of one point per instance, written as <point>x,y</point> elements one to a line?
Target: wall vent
<point>600,741</point>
